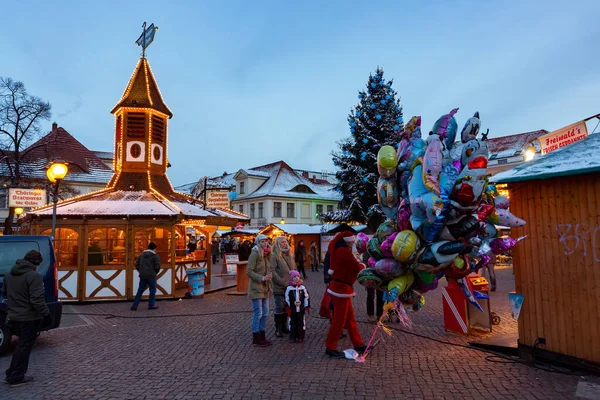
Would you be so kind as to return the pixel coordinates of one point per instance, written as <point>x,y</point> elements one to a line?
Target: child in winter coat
<point>296,297</point>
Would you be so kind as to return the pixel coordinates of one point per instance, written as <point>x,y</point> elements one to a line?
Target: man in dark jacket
<point>27,312</point>
<point>148,265</point>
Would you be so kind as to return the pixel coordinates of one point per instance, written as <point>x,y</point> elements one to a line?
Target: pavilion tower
<point>141,118</point>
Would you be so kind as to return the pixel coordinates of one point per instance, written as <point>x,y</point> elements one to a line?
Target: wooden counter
<point>242,279</point>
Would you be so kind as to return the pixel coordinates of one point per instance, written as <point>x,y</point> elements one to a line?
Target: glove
<point>47,321</point>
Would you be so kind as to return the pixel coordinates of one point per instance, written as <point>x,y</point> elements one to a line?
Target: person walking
<point>214,251</point>
<point>300,257</point>
<point>260,288</point>
<point>313,257</point>
<point>148,266</point>
<point>27,312</point>
<point>281,264</point>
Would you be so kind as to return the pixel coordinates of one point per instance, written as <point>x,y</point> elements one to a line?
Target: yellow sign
<point>563,137</point>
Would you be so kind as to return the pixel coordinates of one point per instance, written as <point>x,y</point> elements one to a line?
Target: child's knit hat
<point>293,274</point>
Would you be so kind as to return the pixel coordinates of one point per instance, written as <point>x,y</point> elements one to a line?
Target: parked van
<point>13,248</point>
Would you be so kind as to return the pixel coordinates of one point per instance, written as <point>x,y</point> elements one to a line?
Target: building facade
<point>509,151</point>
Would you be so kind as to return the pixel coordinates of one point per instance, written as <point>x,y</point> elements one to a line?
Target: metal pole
<point>54,201</point>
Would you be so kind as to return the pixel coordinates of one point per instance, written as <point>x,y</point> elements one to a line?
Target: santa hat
<point>348,237</point>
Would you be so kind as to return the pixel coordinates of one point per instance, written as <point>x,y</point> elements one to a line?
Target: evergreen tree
<point>374,122</point>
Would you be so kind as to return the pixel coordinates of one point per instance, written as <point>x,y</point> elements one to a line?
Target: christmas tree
<point>374,122</point>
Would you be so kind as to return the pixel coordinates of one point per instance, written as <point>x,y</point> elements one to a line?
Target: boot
<point>263,339</point>
<point>278,324</point>
<point>256,341</point>
<point>284,324</point>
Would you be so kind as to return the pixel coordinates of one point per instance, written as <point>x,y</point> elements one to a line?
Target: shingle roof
<point>581,157</point>
<point>511,145</point>
<point>142,91</point>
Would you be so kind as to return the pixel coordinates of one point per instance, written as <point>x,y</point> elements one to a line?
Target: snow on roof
<point>508,146</point>
<point>299,229</point>
<point>581,157</point>
<point>282,179</point>
<point>242,231</point>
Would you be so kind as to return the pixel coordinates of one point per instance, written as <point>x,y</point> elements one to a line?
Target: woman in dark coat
<point>300,257</point>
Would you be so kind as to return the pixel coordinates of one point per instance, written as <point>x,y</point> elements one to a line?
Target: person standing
<point>281,264</point>
<point>300,257</point>
<point>27,312</point>
<point>148,266</point>
<point>491,271</point>
<point>313,257</point>
<point>373,294</point>
<point>214,251</point>
<point>343,271</point>
<point>297,300</point>
<point>192,244</point>
<point>260,289</point>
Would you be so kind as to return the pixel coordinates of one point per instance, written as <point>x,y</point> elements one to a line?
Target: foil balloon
<point>403,216</point>
<point>458,268</point>
<point>361,242</point>
<point>425,206</point>
<point>385,229</point>
<point>501,202</point>
<point>387,196</point>
<point>371,262</point>
<point>446,127</point>
<point>506,218</point>
<point>432,164</point>
<point>472,179</point>
<point>504,244</point>
<point>402,283</point>
<point>490,231</point>
<point>461,228</point>
<point>471,129</point>
<point>405,246</point>
<point>386,245</point>
<point>387,161</point>
<point>373,249</point>
<point>440,254</point>
<point>369,278</point>
<point>388,268</point>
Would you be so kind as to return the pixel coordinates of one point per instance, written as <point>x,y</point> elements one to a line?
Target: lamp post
<point>56,173</point>
<point>18,212</point>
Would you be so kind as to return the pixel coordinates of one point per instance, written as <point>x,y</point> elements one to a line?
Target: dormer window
<point>302,189</point>
<point>242,187</point>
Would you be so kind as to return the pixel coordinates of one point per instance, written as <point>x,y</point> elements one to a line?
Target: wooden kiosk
<point>100,234</point>
<point>557,268</point>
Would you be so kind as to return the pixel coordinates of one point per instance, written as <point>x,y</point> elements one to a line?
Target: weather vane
<point>146,38</point>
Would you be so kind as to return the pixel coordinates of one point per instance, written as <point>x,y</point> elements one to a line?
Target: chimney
<point>54,126</point>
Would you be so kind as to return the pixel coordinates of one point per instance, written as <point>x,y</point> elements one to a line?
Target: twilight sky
<point>252,82</point>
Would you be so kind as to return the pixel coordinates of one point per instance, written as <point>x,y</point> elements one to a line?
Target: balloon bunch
<point>441,213</point>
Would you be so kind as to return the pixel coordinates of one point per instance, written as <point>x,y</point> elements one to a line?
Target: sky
<point>251,83</point>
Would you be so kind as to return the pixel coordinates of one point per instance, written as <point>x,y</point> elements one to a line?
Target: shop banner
<point>563,137</point>
<point>217,198</point>
<point>26,198</point>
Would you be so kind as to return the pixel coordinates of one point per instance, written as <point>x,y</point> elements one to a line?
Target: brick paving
<point>210,356</point>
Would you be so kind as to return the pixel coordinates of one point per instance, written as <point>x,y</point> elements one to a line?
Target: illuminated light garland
<point>157,88</point>
<point>129,84</point>
<point>147,84</point>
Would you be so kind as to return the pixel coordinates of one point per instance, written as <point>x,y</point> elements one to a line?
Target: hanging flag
<point>516,303</point>
<point>147,36</point>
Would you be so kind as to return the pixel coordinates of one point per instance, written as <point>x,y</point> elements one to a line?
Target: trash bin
<point>196,281</point>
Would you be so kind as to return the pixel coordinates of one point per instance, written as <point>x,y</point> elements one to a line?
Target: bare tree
<point>21,115</point>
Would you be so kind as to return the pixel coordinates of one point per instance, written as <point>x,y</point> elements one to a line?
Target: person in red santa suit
<point>343,269</point>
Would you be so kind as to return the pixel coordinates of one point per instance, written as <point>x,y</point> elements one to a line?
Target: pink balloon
<point>361,242</point>
<point>403,218</point>
<point>386,246</point>
<point>371,262</point>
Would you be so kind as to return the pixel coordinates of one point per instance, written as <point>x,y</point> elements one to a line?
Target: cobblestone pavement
<point>157,355</point>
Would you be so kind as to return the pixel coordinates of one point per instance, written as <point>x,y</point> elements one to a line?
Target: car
<point>13,248</point>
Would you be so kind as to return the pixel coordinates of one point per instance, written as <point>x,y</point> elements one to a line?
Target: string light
<point>147,84</point>
<point>157,88</point>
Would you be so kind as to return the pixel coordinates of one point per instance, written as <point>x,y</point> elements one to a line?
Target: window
<point>260,210</point>
<point>135,150</point>
<point>251,210</point>
<point>329,208</point>
<point>290,210</point>
<point>106,246</point>
<point>319,210</point>
<point>11,251</point>
<point>65,246</point>
<point>242,187</point>
<point>502,161</point>
<point>277,209</point>
<point>3,197</point>
<point>160,236</point>
<point>302,189</point>
<point>305,211</point>
<point>242,208</point>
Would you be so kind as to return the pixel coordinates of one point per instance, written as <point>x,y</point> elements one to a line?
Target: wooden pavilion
<point>100,234</point>
<point>557,268</point>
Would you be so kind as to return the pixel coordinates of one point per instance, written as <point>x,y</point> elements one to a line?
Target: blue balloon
<point>396,127</point>
<point>378,116</point>
<point>365,140</point>
<point>373,85</point>
<point>387,97</point>
<point>372,106</point>
<point>383,102</point>
<point>358,113</point>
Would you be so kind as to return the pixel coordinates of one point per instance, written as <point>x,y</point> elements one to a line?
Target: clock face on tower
<point>157,154</point>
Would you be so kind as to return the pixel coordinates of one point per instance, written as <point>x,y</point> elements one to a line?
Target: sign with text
<point>26,198</point>
<point>563,137</point>
<point>231,260</point>
<point>217,198</point>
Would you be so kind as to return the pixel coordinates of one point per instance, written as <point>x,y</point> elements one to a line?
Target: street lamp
<point>530,153</point>
<point>282,221</point>
<point>18,212</point>
<point>56,173</point>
